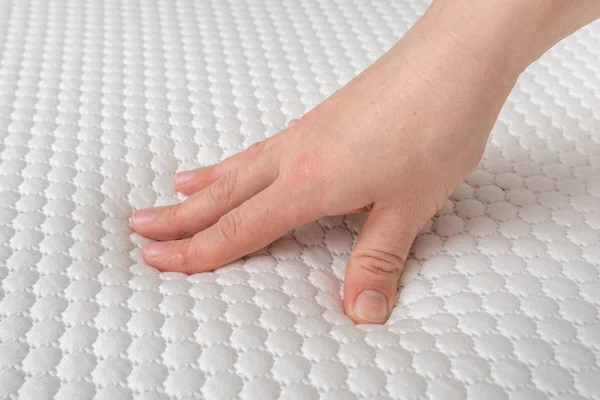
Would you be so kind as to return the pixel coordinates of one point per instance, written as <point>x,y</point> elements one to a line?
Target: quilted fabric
<point>101,102</point>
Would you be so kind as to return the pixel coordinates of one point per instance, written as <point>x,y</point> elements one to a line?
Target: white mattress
<point>101,102</point>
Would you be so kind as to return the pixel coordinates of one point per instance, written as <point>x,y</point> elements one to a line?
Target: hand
<point>395,142</point>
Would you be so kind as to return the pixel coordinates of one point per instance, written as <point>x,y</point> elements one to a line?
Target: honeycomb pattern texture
<point>101,102</point>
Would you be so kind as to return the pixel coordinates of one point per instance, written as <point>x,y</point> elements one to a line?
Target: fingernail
<point>145,216</point>
<point>184,177</point>
<point>371,306</point>
<point>156,248</point>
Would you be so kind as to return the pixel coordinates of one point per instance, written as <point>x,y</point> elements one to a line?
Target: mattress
<point>101,102</point>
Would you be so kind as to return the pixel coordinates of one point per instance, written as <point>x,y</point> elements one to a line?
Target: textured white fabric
<point>101,102</point>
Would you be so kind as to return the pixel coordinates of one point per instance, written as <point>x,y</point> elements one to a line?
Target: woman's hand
<point>395,142</point>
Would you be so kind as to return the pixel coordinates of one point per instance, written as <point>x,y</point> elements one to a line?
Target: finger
<point>375,265</point>
<point>205,207</point>
<point>293,122</point>
<point>253,225</point>
<point>190,182</point>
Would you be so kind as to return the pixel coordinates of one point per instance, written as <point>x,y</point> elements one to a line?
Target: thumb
<point>375,265</point>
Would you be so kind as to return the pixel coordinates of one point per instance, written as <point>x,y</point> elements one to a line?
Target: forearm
<point>513,33</point>
<point>473,51</point>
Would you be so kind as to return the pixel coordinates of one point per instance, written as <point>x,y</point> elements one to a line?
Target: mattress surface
<point>101,102</point>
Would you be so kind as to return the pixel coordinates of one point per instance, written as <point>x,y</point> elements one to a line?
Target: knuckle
<point>221,191</point>
<point>380,263</point>
<point>304,168</point>
<point>228,226</point>
<point>257,148</point>
<point>188,258</point>
<point>172,214</point>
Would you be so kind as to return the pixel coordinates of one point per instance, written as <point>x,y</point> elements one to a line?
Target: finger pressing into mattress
<point>205,207</point>
<point>255,224</point>
<point>190,182</point>
<point>375,265</point>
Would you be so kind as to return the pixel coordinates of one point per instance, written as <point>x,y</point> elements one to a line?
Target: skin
<point>414,125</point>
